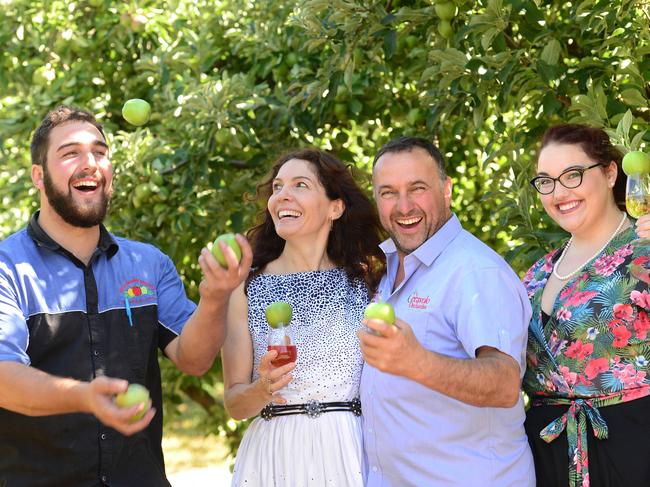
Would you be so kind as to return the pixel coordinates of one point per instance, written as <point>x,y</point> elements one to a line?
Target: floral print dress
<point>593,350</point>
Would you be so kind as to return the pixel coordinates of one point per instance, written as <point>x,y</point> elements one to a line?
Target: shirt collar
<point>433,247</point>
<point>106,244</point>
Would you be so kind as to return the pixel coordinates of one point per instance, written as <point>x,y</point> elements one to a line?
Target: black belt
<point>313,409</point>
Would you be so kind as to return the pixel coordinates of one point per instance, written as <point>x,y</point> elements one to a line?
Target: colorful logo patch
<point>418,302</point>
<point>137,291</point>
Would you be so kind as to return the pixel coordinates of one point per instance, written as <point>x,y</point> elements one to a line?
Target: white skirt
<point>299,451</point>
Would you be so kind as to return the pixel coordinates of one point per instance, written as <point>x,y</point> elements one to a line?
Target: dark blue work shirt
<point>71,320</point>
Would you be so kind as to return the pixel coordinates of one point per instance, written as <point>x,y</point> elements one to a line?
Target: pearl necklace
<point>559,261</point>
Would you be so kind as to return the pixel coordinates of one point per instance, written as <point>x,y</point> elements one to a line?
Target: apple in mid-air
<point>380,311</point>
<point>136,111</point>
<point>230,240</point>
<point>636,162</point>
<point>134,395</point>
<point>278,314</point>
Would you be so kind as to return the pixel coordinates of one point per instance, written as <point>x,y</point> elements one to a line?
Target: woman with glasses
<point>588,348</point>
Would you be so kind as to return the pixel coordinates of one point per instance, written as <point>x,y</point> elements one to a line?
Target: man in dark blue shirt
<point>82,315</point>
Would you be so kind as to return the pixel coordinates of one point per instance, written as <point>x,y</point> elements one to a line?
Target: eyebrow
<point>69,144</point>
<point>412,183</point>
<point>570,168</point>
<point>293,179</point>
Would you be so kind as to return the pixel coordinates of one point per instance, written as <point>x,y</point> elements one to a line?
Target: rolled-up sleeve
<point>496,314</point>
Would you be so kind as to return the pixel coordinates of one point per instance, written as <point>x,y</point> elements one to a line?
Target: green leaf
<point>551,53</point>
<point>623,127</point>
<point>633,97</point>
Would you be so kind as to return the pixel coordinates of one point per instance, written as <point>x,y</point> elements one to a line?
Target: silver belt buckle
<point>313,409</point>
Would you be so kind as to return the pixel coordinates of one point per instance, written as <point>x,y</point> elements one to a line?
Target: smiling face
<point>412,199</point>
<point>76,181</point>
<point>299,205</point>
<point>578,209</point>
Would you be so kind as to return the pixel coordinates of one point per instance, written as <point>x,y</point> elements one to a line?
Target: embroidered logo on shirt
<point>137,291</point>
<point>418,302</point>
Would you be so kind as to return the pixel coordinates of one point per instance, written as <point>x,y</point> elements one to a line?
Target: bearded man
<point>83,313</point>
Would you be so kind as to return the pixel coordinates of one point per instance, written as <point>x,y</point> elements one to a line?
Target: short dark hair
<point>407,144</point>
<point>60,115</point>
<point>596,144</point>
<point>353,242</point>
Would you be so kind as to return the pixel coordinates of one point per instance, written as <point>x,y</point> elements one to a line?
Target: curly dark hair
<point>353,242</point>
<point>596,144</point>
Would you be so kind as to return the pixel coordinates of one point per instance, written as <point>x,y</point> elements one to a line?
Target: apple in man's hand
<point>136,111</point>
<point>380,311</point>
<point>134,395</point>
<point>278,314</point>
<point>230,240</point>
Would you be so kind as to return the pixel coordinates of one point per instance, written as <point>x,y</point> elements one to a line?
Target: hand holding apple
<point>135,395</point>
<point>393,349</point>
<point>230,240</point>
<point>99,399</point>
<point>218,281</point>
<point>380,311</point>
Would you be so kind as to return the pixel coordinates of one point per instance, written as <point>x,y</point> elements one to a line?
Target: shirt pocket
<point>141,340</point>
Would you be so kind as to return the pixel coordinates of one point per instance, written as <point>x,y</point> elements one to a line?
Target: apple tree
<point>234,83</point>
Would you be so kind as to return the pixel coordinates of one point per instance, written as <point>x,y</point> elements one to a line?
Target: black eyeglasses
<point>571,178</point>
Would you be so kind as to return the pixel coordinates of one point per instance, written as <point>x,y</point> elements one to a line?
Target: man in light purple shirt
<point>441,389</point>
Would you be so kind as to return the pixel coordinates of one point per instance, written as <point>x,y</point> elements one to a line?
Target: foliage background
<point>233,83</point>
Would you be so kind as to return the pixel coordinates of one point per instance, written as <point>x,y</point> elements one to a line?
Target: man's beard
<point>76,215</point>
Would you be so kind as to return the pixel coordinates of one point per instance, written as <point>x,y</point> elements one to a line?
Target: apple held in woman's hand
<point>230,240</point>
<point>380,311</point>
<point>278,314</point>
<point>134,395</point>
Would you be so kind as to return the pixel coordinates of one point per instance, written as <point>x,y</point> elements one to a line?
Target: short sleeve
<point>14,334</point>
<point>496,314</point>
<point>174,307</point>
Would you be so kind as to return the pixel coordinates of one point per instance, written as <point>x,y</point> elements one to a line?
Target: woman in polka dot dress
<point>317,249</point>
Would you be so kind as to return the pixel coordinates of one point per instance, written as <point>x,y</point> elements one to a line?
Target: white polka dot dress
<point>296,450</point>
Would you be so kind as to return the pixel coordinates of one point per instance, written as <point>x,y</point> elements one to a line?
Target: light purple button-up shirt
<point>458,295</point>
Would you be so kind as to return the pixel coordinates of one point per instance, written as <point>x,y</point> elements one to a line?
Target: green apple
<point>134,395</point>
<point>445,10</point>
<point>411,41</point>
<point>223,136</point>
<point>292,58</point>
<point>445,29</point>
<point>380,311</point>
<point>136,111</point>
<point>636,162</point>
<point>278,313</point>
<point>230,240</point>
<point>341,111</point>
